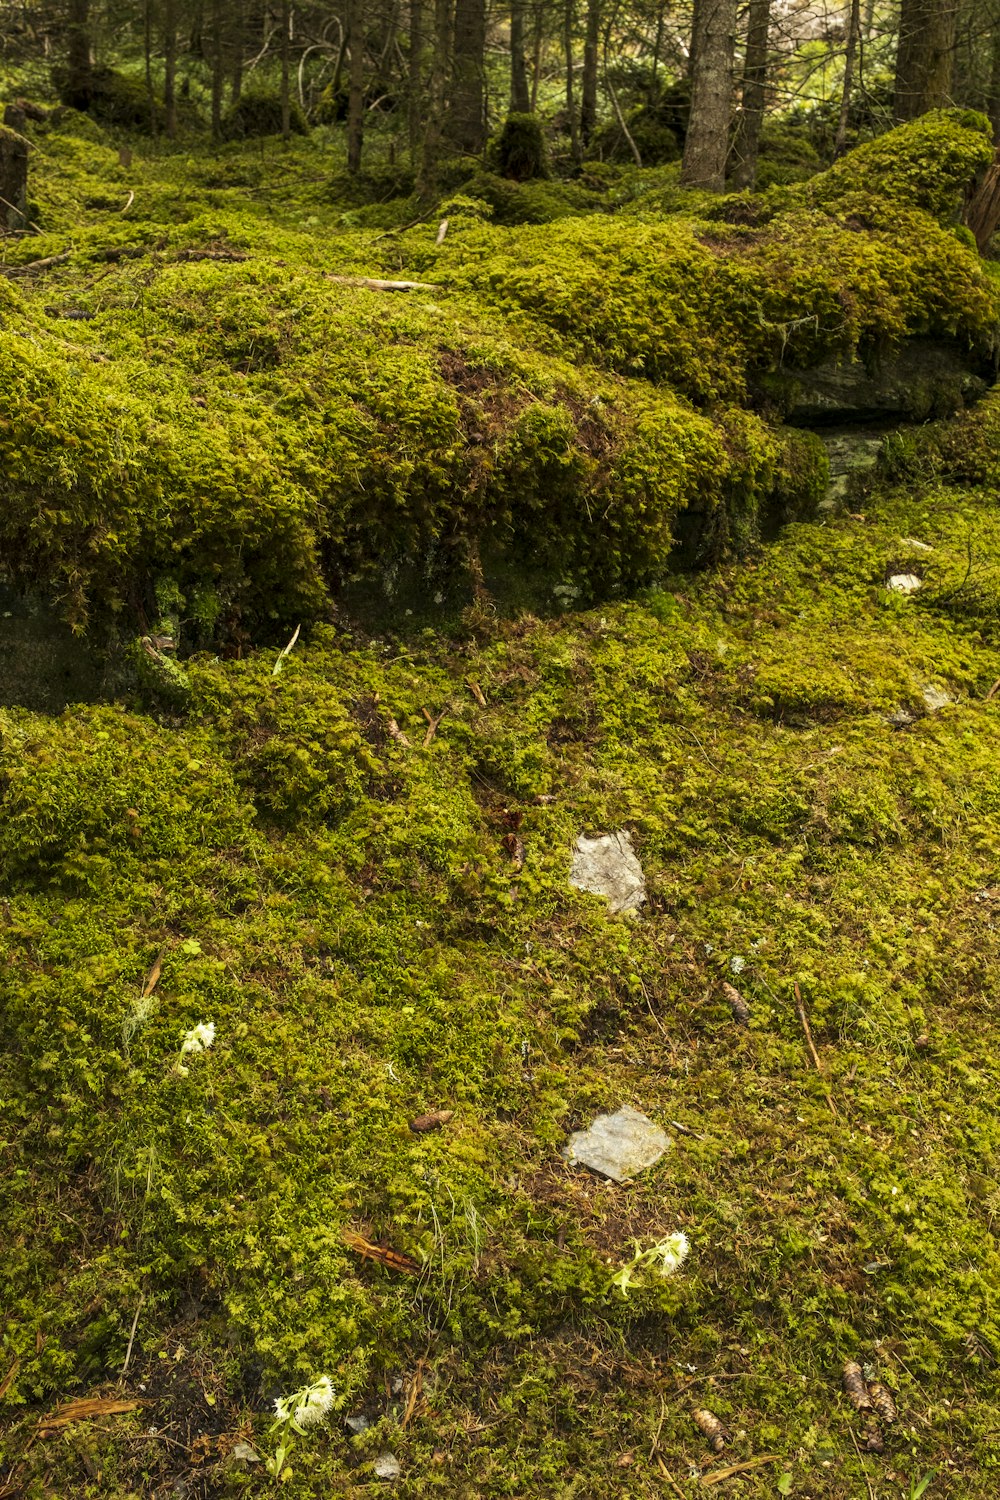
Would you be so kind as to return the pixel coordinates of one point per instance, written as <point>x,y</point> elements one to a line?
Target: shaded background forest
<point>418,83</point>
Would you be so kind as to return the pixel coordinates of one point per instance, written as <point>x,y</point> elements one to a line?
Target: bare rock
<point>904,583</point>
<point>606,865</point>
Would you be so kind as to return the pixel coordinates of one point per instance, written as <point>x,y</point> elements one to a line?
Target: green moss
<point>928,164</point>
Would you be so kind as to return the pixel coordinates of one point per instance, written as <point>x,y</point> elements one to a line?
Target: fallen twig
<point>432,724</point>
<point>993,690</point>
<point>131,200</point>
<point>800,1007</point>
<point>34,265</point>
<point>669,1478</point>
<point>373,284</point>
<point>9,1378</point>
<point>718,1475</point>
<point>480,696</point>
<point>131,1337</point>
<point>442,231</point>
<point>397,734</point>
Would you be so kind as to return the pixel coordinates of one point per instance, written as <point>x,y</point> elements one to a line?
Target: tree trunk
<point>355,86</point>
<point>217,78</point>
<point>924,57</point>
<point>286,97</point>
<point>465,125</point>
<point>994,103</point>
<point>147,48</point>
<point>983,214</point>
<point>415,103</point>
<point>853,36</point>
<point>13,180</point>
<point>751,118</point>
<point>588,99</point>
<point>574,124</point>
<point>170,67</point>
<point>536,55</point>
<point>236,59</point>
<point>436,100</point>
<point>78,54</point>
<point>713,44</point>
<point>520,97</point>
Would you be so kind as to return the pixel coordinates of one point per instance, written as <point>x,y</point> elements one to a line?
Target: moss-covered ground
<point>355,865</point>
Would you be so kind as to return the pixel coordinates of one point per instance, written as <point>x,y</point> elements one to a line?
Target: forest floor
<point>355,864</point>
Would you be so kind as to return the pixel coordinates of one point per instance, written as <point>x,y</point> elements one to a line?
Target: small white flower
<point>307,1407</point>
<point>673,1252</point>
<point>737,964</point>
<point>199,1038</point>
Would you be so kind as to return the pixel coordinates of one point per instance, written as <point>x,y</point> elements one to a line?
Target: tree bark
<point>588,89</point>
<point>13,180</point>
<point>217,77</point>
<point>751,117</point>
<point>994,103</point>
<point>465,127</point>
<point>286,45</point>
<point>170,67</point>
<point>147,48</point>
<point>236,56</point>
<point>850,58</point>
<point>924,57</point>
<point>574,125</point>
<point>78,83</point>
<point>436,100</point>
<point>983,213</point>
<point>415,60</point>
<point>713,45</point>
<point>520,95</point>
<point>355,86</point>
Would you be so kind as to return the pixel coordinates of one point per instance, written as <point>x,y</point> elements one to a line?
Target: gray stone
<point>900,718</point>
<point>357,1424</point>
<point>904,583</point>
<point>387,1466</point>
<point>618,1146</point>
<point>923,378</point>
<point>606,865</point>
<point>913,545</point>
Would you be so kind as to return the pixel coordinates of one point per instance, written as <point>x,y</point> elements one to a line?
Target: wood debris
<point>374,284</point>
<point>476,692</point>
<point>513,844</point>
<point>712,1429</point>
<point>153,977</point>
<point>393,1260</point>
<point>84,1410</point>
<point>432,1121</point>
<point>718,1475</point>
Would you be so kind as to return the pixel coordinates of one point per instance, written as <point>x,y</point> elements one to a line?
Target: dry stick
<point>993,690</point>
<point>800,1007</point>
<point>432,724</point>
<point>753,1463</point>
<point>131,200</point>
<point>659,1428</point>
<point>34,265</point>
<point>131,1337</point>
<point>375,285</point>
<point>669,1478</point>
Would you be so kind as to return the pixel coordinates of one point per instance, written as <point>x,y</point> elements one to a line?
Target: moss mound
<point>257,112</point>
